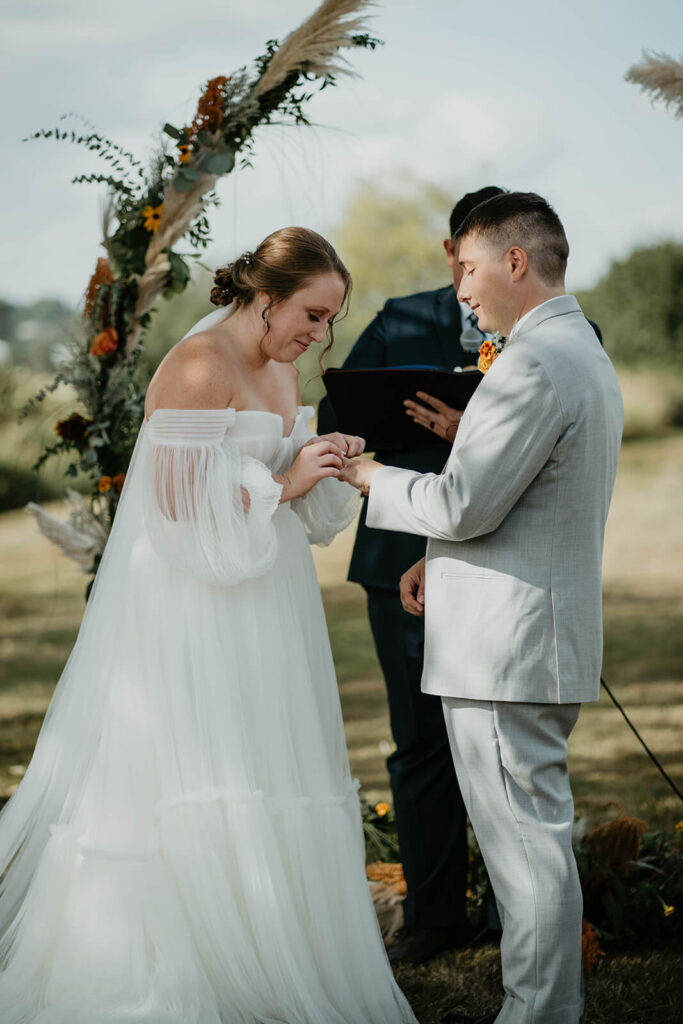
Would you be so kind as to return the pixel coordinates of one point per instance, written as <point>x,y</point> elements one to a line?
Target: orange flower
<point>105,342</point>
<point>152,217</point>
<point>382,809</point>
<point>102,275</point>
<point>590,947</point>
<point>118,481</point>
<point>104,484</point>
<point>185,153</point>
<point>390,874</point>
<point>487,356</point>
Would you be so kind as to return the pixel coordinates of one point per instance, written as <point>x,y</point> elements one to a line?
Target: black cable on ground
<point>649,753</point>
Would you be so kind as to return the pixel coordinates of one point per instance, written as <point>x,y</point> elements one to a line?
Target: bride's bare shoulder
<point>194,374</point>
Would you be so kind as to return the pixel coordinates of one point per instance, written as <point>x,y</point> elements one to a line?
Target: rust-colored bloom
<point>105,484</point>
<point>209,116</point>
<point>75,429</point>
<point>390,874</point>
<point>617,842</point>
<point>381,808</point>
<point>118,480</point>
<point>102,275</point>
<point>105,342</point>
<point>184,153</point>
<point>590,946</point>
<point>487,356</point>
<point>151,216</point>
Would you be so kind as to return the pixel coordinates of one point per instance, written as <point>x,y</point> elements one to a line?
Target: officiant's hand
<point>359,473</point>
<point>348,444</point>
<point>412,588</point>
<point>440,419</point>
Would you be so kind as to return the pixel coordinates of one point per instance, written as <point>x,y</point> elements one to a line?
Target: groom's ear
<point>448,246</point>
<point>518,263</point>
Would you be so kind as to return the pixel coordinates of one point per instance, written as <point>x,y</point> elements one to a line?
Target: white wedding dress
<point>186,846</point>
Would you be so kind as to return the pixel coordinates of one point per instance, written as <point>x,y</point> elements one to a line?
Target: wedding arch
<point>147,212</point>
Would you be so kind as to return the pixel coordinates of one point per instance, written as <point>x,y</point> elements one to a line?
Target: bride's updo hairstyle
<point>283,263</point>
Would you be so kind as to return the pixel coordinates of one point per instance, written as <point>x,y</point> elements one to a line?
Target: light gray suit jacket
<point>516,520</point>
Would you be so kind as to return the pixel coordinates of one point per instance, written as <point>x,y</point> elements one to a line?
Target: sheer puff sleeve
<point>330,506</point>
<point>208,508</point>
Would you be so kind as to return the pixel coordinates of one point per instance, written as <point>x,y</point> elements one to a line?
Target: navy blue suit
<point>430,814</point>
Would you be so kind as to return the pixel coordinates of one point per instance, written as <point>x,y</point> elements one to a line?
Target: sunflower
<point>185,153</point>
<point>105,484</point>
<point>152,217</point>
<point>75,429</point>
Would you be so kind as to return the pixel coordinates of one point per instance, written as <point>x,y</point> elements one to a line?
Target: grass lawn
<point>41,601</point>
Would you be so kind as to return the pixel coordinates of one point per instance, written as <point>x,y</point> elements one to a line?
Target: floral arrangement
<point>489,351</point>
<point>148,211</point>
<point>631,878</point>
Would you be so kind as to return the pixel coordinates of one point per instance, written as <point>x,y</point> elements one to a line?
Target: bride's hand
<point>348,444</point>
<point>316,460</point>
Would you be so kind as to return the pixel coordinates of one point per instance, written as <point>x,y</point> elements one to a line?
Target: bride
<point>186,846</point>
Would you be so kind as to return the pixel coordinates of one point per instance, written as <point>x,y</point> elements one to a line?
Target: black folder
<point>370,402</point>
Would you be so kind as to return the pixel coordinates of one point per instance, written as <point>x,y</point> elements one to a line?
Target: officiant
<point>426,329</point>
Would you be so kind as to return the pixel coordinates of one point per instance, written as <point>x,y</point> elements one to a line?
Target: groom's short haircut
<point>464,206</point>
<point>527,220</point>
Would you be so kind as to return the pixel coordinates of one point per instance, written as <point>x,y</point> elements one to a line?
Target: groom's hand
<point>412,588</point>
<point>359,473</point>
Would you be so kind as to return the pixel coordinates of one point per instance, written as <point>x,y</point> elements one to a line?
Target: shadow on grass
<point>628,988</point>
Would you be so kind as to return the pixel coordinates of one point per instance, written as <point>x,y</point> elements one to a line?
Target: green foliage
<point>643,899</point>
<point>379,830</point>
<point>390,238</point>
<point>639,306</point>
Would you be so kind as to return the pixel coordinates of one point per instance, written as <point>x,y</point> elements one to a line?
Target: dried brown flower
<point>617,842</point>
<point>209,116</point>
<point>102,275</point>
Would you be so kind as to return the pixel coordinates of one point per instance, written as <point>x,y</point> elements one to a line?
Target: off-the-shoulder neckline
<point>238,412</point>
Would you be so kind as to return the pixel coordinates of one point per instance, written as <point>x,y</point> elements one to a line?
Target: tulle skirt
<point>193,848</point>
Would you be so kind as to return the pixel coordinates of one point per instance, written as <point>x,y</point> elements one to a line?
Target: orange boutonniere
<point>489,351</point>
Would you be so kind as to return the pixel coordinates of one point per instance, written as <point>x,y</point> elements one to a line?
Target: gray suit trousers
<point>511,762</point>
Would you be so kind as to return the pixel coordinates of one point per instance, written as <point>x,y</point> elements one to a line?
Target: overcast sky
<point>526,94</point>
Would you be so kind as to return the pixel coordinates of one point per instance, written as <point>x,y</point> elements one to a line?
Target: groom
<point>511,588</point>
